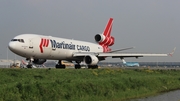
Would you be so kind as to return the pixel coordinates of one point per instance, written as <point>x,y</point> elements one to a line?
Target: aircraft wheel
<point>95,67</point>
<point>77,66</point>
<point>63,66</point>
<point>29,66</point>
<point>60,66</point>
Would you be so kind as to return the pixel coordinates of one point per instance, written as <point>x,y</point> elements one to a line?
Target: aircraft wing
<point>123,55</point>
<point>116,55</point>
<point>120,55</point>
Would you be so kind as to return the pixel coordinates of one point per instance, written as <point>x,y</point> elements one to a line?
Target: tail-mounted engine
<point>103,40</point>
<point>91,60</point>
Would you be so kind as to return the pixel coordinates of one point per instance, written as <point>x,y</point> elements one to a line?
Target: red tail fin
<point>107,30</point>
<point>108,39</point>
<point>105,39</point>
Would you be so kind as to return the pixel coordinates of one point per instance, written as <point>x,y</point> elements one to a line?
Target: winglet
<point>170,54</point>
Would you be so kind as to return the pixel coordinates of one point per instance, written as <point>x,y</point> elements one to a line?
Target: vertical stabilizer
<point>108,28</point>
<point>105,39</point>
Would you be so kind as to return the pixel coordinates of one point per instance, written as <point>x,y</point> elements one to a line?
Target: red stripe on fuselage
<point>47,43</point>
<point>41,44</point>
<point>44,44</point>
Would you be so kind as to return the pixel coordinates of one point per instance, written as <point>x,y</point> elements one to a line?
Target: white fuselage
<point>48,47</point>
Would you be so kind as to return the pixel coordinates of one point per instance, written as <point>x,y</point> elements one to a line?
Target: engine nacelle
<point>39,61</point>
<point>91,60</point>
<point>101,39</point>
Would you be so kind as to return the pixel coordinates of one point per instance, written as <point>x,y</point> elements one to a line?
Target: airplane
<point>130,64</point>
<point>39,48</point>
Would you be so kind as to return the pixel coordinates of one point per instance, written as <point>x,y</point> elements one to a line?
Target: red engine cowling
<point>102,40</point>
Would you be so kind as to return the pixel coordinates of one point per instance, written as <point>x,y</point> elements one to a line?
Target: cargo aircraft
<point>38,48</point>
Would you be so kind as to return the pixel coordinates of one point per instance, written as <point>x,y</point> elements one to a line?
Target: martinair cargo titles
<point>38,48</point>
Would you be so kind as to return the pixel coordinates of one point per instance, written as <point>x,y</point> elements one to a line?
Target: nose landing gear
<point>30,64</point>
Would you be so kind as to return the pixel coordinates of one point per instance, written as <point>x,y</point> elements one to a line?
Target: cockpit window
<point>20,40</point>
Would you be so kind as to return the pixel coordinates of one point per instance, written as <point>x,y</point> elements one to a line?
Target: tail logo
<point>44,43</point>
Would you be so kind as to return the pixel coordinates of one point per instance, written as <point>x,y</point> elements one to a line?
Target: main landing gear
<point>60,65</point>
<point>78,66</point>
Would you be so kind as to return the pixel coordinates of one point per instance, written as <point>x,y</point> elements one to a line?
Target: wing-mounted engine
<point>103,40</point>
<point>91,60</point>
<point>39,61</point>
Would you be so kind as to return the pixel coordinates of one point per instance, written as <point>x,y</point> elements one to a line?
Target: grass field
<point>84,84</point>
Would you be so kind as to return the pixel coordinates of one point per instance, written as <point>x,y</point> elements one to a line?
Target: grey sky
<point>152,26</point>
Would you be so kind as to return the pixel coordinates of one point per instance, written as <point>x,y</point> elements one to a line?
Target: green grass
<point>84,84</point>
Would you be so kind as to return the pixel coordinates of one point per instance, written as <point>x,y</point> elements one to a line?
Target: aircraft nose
<point>12,46</point>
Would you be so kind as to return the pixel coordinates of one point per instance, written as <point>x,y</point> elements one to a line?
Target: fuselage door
<point>30,44</point>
